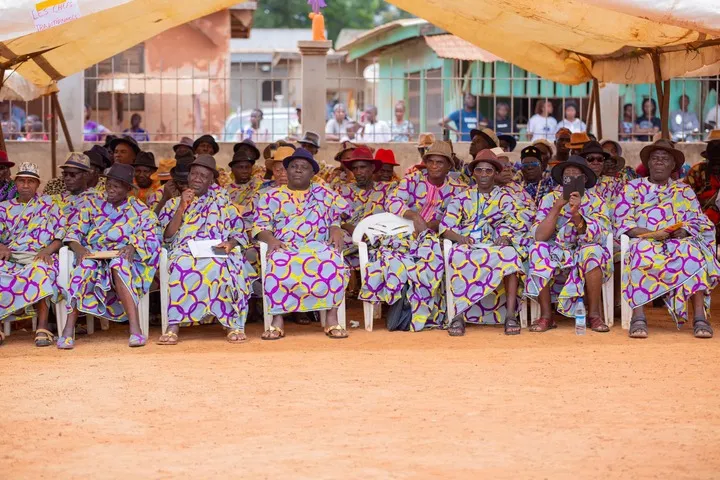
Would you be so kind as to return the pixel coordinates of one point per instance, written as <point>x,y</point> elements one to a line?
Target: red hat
<point>386,156</point>
<point>4,159</point>
<point>364,154</point>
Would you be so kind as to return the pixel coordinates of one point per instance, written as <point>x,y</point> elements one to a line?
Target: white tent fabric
<point>36,43</point>
<point>16,89</point>
<point>572,41</point>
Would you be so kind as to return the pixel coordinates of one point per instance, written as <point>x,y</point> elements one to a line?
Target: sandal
<point>43,338</point>
<point>542,325</point>
<point>638,328</point>
<point>65,343</point>
<point>168,338</point>
<point>137,340</point>
<point>273,333</point>
<point>239,336</point>
<point>342,333</point>
<point>457,327</point>
<point>702,328</point>
<point>597,324</point>
<point>512,326</point>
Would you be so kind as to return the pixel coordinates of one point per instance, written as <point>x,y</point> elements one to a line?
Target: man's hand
<point>419,224</point>
<point>275,245</point>
<point>679,234</point>
<point>170,191</point>
<point>559,203</point>
<point>434,225</point>
<point>45,256</point>
<point>465,240</point>
<point>227,246</point>
<point>348,227</point>
<point>574,203</point>
<point>660,235</point>
<point>502,242</point>
<point>4,252</point>
<point>337,238</point>
<point>79,251</point>
<point>127,252</point>
<point>187,197</point>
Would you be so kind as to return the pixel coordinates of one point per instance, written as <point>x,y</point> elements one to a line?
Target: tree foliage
<point>339,14</point>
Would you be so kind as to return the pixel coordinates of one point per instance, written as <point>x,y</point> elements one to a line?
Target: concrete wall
<point>406,154</point>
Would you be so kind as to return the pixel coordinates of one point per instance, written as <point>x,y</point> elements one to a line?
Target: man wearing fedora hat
<point>32,228</point>
<point>417,262</point>
<point>205,145</point>
<point>75,174</point>
<point>569,259</point>
<point>704,178</point>
<point>100,160</point>
<point>205,287</point>
<point>112,287</point>
<point>178,182</point>
<point>672,244</point>
<point>184,146</point>
<point>276,167</point>
<point>310,142</point>
<point>386,174</point>
<point>147,186</point>
<point>341,175</point>
<point>125,149</point>
<point>245,186</point>
<point>534,176</point>
<point>483,225</point>
<point>7,186</point>
<point>300,223</point>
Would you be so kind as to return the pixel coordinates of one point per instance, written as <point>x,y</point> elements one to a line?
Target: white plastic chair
<point>608,294</point>
<point>450,298</point>
<point>67,262</point>
<point>13,318</point>
<point>374,226</point>
<point>267,317</point>
<point>164,274</point>
<point>625,310</point>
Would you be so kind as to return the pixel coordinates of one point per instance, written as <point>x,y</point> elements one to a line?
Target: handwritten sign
<point>51,13</point>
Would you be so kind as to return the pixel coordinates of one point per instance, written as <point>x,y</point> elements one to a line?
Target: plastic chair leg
<point>34,322</point>
<point>144,314</point>
<point>368,315</point>
<point>626,311</point>
<point>608,295</point>
<point>6,327</point>
<point>534,311</point>
<point>164,290</point>
<point>524,312</point>
<point>341,315</point>
<point>90,324</point>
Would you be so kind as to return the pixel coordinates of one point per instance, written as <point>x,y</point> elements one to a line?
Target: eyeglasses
<point>71,174</point>
<point>530,164</point>
<point>485,172</point>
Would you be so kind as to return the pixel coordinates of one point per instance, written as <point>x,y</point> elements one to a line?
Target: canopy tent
<point>574,41</point>
<point>48,40</point>
<point>15,88</point>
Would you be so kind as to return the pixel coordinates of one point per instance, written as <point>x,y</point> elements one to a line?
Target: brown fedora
<point>207,161</point>
<point>486,156</point>
<point>441,149</point>
<point>666,145</point>
<point>577,140</point>
<point>488,134</point>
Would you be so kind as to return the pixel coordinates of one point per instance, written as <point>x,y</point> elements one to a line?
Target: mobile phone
<point>573,184</point>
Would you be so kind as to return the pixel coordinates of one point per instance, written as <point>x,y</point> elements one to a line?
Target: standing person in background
<point>93,132</point>
<point>683,124</point>
<point>135,131</point>
<point>628,124</point>
<point>465,120</point>
<point>648,123</point>
<point>503,122</point>
<point>542,125</point>
<point>571,120</point>
<point>295,125</point>
<point>374,130</point>
<point>337,126</point>
<point>255,131</point>
<point>402,130</point>
<point>8,191</point>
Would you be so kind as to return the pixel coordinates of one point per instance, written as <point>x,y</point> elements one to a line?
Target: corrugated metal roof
<point>450,46</point>
<point>347,35</point>
<point>269,40</point>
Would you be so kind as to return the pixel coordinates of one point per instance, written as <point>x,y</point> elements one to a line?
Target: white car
<point>276,121</point>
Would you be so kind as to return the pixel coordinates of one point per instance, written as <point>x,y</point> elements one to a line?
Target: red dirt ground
<point>378,405</point>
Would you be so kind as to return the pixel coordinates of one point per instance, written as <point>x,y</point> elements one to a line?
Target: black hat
<point>574,161</point>
<point>207,161</point>
<point>99,157</point>
<point>248,144</point>
<point>122,172</point>
<point>127,140</point>
<point>593,147</point>
<point>512,143</point>
<point>712,150</point>
<point>301,153</point>
<point>530,151</point>
<point>206,139</point>
<point>145,159</point>
<point>241,156</point>
<point>181,170</point>
<point>310,138</point>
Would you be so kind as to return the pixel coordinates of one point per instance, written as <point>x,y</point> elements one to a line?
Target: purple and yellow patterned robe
<point>100,226</point>
<point>363,203</point>
<point>415,260</point>
<point>674,268</point>
<point>310,274</point>
<point>478,270</point>
<point>202,288</point>
<point>563,261</point>
<point>70,204</point>
<point>28,227</point>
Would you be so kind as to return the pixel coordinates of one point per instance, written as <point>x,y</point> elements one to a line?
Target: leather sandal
<point>597,324</point>
<point>543,325</point>
<point>43,338</point>
<point>171,338</point>
<point>342,333</point>
<point>273,333</point>
<point>239,336</point>
<point>702,328</point>
<point>457,327</point>
<point>638,328</point>
<point>512,326</point>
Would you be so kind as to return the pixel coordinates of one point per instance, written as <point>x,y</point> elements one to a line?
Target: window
<point>271,89</point>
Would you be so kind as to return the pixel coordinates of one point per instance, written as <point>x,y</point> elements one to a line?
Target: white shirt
<point>540,127</point>
<point>378,132</point>
<point>332,127</point>
<point>576,126</point>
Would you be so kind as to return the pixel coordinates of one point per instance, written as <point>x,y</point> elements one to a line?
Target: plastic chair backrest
<point>382,224</point>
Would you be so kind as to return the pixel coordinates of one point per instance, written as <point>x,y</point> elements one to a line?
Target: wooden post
<point>589,117</point>
<point>53,139</point>
<point>665,112</point>
<point>598,116</point>
<point>661,94</point>
<point>63,124</point>
<point>2,136</point>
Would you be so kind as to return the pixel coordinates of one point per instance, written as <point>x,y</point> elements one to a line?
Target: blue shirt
<point>465,121</point>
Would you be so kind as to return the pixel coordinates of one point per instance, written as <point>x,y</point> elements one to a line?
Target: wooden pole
<point>591,104</point>
<point>63,124</point>
<point>53,139</point>
<point>2,135</point>
<point>598,116</point>
<point>661,94</point>
<point>665,112</point>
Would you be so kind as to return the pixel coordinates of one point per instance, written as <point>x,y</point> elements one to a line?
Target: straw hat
<point>28,170</point>
<point>488,134</point>
<point>77,160</point>
<point>425,140</point>
<point>279,155</point>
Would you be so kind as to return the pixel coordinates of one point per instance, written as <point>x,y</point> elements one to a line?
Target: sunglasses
<point>486,172</point>
<point>530,164</point>
<point>595,159</point>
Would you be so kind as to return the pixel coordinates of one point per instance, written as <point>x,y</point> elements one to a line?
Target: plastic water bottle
<point>580,319</point>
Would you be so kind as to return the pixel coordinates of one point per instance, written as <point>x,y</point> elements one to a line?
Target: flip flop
<point>638,328</point>
<point>336,328</point>
<point>240,336</point>
<point>172,339</point>
<point>270,333</point>
<point>137,340</point>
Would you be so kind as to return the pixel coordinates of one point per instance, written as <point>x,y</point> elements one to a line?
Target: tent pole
<point>2,135</point>
<point>591,104</point>
<point>660,93</point>
<point>598,116</point>
<point>59,111</point>
<point>53,139</point>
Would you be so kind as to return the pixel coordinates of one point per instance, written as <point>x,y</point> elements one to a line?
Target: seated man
<point>483,223</point>
<point>340,175</point>
<point>409,269</point>
<point>75,174</point>
<point>32,228</point>
<point>679,266</point>
<point>534,177</point>
<point>111,288</point>
<point>147,187</point>
<point>177,184</point>
<point>300,223</point>
<point>386,174</point>
<point>244,186</point>
<point>569,259</point>
<point>276,167</point>
<point>201,288</point>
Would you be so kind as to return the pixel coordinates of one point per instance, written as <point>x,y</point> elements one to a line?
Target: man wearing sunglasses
<point>76,172</point>
<point>535,181</point>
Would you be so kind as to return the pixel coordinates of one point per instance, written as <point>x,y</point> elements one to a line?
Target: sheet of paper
<point>51,13</point>
<point>204,248</point>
